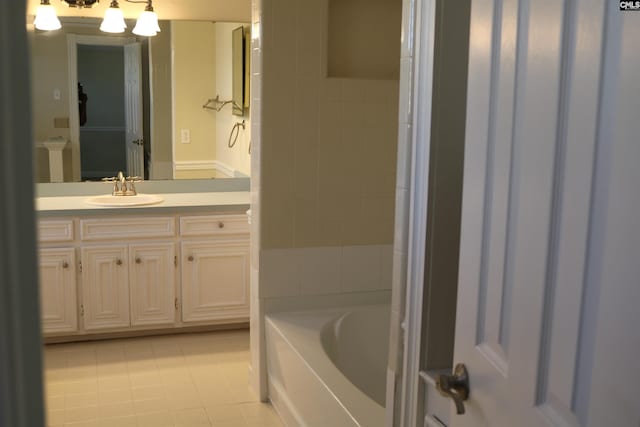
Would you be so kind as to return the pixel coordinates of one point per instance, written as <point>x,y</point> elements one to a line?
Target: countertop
<point>238,201</point>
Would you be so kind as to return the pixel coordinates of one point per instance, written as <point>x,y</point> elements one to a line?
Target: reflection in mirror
<point>240,70</point>
<point>135,109</point>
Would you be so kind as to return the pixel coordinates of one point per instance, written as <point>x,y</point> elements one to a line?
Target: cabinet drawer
<point>55,230</point>
<point>214,225</point>
<point>126,227</point>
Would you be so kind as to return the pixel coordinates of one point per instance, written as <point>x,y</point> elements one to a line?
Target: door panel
<point>550,105</point>
<point>215,280</point>
<point>58,290</point>
<point>152,283</point>
<point>105,287</point>
<point>133,109</point>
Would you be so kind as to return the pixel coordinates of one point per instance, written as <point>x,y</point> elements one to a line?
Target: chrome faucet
<point>123,182</point>
<point>123,186</point>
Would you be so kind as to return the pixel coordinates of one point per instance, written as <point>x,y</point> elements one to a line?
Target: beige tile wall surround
<point>329,144</point>
<point>323,170</point>
<point>325,270</point>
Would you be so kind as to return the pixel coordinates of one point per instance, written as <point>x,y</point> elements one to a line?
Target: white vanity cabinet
<point>215,267</point>
<point>131,282</point>
<point>57,271</point>
<point>123,273</point>
<point>128,285</point>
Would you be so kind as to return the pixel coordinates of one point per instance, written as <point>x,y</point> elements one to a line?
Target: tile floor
<point>189,380</point>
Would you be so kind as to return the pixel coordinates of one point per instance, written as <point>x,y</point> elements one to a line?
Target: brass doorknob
<point>455,386</point>
<point>221,224</point>
<point>190,258</point>
<point>138,261</point>
<point>65,265</point>
<point>118,262</point>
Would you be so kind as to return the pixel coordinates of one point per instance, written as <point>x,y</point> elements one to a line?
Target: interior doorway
<point>101,111</point>
<point>106,116</point>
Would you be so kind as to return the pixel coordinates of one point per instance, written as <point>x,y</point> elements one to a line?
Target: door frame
<point>439,88</point>
<point>73,41</point>
<point>421,94</point>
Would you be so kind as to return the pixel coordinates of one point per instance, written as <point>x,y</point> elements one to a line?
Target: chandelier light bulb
<point>147,24</point>
<point>46,18</point>
<point>113,21</point>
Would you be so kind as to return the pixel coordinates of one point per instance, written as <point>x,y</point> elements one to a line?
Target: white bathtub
<point>328,368</point>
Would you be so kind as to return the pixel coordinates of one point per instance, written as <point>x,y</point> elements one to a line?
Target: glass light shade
<point>113,21</point>
<point>147,24</point>
<point>46,18</point>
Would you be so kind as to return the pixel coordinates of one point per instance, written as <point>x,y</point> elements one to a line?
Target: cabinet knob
<point>65,265</point>
<point>221,224</point>
<point>190,258</point>
<point>118,262</point>
<point>138,261</point>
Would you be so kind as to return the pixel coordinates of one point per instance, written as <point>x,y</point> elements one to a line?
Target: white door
<point>152,279</point>
<point>549,280</point>
<point>105,287</point>
<point>133,109</point>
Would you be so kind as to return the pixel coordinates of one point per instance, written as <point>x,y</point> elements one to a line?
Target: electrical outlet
<point>56,94</point>
<point>185,136</point>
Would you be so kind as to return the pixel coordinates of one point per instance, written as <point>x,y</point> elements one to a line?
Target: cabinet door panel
<point>105,288</point>
<point>152,283</point>
<point>58,290</point>
<point>215,280</point>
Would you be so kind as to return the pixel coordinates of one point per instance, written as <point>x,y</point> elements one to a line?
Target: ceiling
<point>204,10</point>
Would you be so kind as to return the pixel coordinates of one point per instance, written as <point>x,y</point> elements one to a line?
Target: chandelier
<point>113,22</point>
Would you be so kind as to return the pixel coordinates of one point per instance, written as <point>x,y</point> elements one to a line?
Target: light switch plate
<point>185,136</point>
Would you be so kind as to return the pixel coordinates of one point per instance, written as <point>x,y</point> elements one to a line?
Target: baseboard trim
<point>197,165</point>
<point>144,333</point>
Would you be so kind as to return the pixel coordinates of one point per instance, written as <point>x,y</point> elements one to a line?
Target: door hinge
<point>81,310</point>
<point>176,303</point>
<point>175,260</point>
<point>80,265</point>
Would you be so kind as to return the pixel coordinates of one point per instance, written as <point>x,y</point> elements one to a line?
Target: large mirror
<point>143,104</point>
<point>240,70</point>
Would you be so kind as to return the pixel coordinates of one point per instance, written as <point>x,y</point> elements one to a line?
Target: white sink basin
<point>137,200</point>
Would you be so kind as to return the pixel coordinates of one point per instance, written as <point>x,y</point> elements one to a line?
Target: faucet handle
<point>112,180</point>
<point>132,188</point>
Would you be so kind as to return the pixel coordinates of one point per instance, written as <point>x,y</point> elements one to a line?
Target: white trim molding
<point>224,169</point>
<point>102,129</point>
<point>194,165</point>
<point>422,93</point>
<point>200,165</point>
